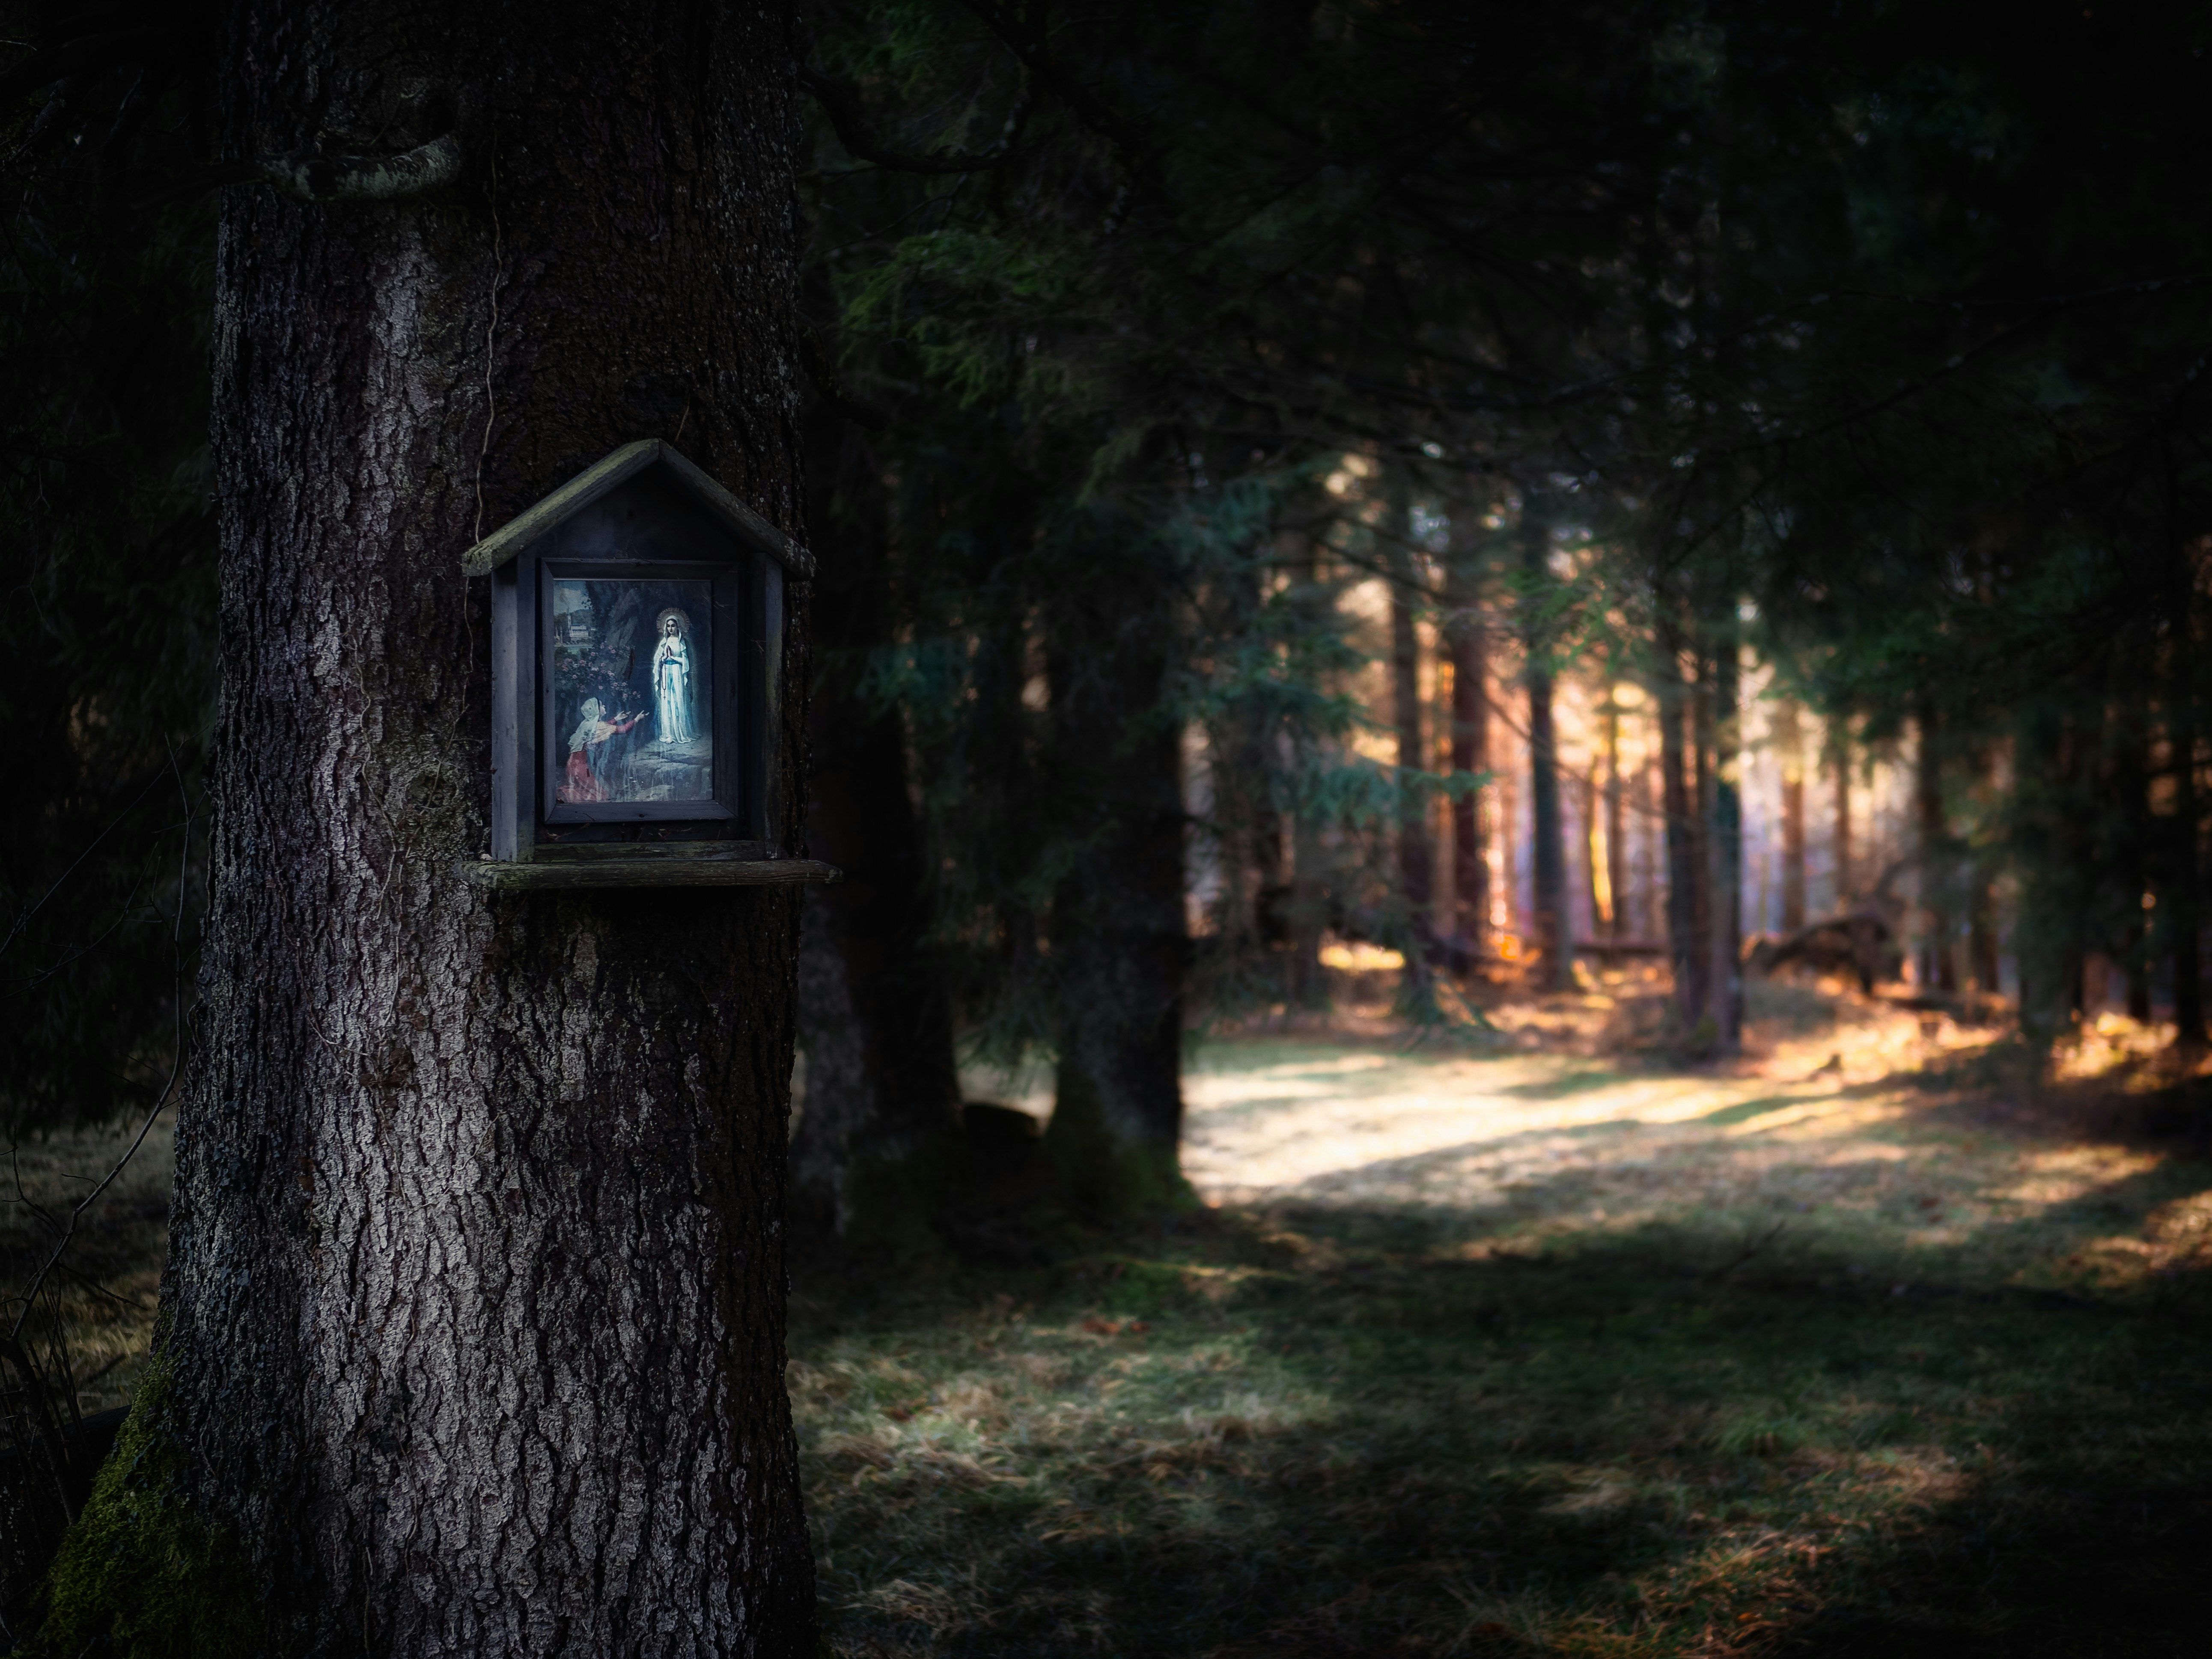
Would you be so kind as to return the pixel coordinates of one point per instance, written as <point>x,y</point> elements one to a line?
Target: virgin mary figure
<point>673,718</point>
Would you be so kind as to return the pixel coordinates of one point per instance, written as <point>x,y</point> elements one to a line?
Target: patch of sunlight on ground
<point>1846,1349</point>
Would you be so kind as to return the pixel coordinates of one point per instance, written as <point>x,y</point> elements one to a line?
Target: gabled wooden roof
<point>625,464</point>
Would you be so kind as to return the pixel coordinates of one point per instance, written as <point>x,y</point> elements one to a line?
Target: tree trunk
<point>882,1089</point>
<point>1684,860</point>
<point>1308,910</point>
<point>1982,929</point>
<point>1549,852</point>
<point>1416,866</point>
<point>1470,757</point>
<point>1597,878</point>
<point>1792,744</point>
<point>1725,847</point>
<point>1616,845</point>
<point>473,1323</point>
<point>1509,848</point>
<point>1650,821</point>
<point>1118,939</point>
<point>2183,921</point>
<point>2134,847</point>
<point>1939,964</point>
<point>1839,744</point>
<point>2051,854</point>
<point>1701,804</point>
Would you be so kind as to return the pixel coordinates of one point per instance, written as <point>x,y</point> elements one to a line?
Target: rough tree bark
<point>1549,852</point>
<point>875,1016</point>
<point>1119,944</point>
<point>474,1318</point>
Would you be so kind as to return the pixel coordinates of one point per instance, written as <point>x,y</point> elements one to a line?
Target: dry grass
<point>105,1289</point>
<point>1844,1350</point>
<point>1533,1345</point>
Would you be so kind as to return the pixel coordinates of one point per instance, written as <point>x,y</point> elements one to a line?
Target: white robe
<point>672,720</point>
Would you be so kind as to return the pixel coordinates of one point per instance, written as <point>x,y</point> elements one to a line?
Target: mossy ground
<point>1515,1352</point>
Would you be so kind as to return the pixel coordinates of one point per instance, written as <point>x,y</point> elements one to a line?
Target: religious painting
<point>633,718</point>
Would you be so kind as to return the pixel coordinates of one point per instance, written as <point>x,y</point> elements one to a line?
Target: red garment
<point>584,785</point>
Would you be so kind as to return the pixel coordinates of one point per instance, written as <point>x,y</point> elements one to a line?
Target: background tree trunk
<point>875,1016</point>
<point>1307,984</point>
<point>1470,755</point>
<point>1550,853</point>
<point>1789,740</point>
<point>1684,860</point>
<point>2048,838</point>
<point>1416,862</point>
<point>2184,899</point>
<point>1840,755</point>
<point>474,1316</point>
<point>1119,943</point>
<point>1725,847</point>
<point>1619,883</point>
<point>1938,880</point>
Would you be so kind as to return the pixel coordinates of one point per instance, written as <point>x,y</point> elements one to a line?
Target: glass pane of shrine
<point>630,665</point>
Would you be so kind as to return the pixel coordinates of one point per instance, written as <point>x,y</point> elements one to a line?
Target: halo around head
<point>683,622</point>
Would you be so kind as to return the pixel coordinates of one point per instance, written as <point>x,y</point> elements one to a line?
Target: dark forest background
<point>1858,347</point>
<point>1480,490</point>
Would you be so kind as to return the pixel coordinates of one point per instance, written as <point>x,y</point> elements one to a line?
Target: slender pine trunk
<point>1416,862</point>
<point>1724,921</point>
<point>1618,879</point>
<point>2184,921</point>
<point>1790,737</point>
<point>1938,879</point>
<point>1684,860</point>
<point>1306,911</point>
<point>2136,853</point>
<point>1550,919</point>
<point>1839,754</point>
<point>1467,641</point>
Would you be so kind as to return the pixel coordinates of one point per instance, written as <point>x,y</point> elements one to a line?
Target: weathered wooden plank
<point>688,851</point>
<point>607,474</point>
<point>650,872</point>
<point>508,787</point>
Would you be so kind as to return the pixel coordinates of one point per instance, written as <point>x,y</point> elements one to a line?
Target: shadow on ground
<point>1303,1427</point>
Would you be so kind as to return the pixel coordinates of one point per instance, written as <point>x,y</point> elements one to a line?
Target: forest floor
<point>1520,1346</point>
<point>1525,1343</point>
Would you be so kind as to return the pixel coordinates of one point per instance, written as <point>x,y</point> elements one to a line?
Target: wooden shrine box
<point>636,654</point>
